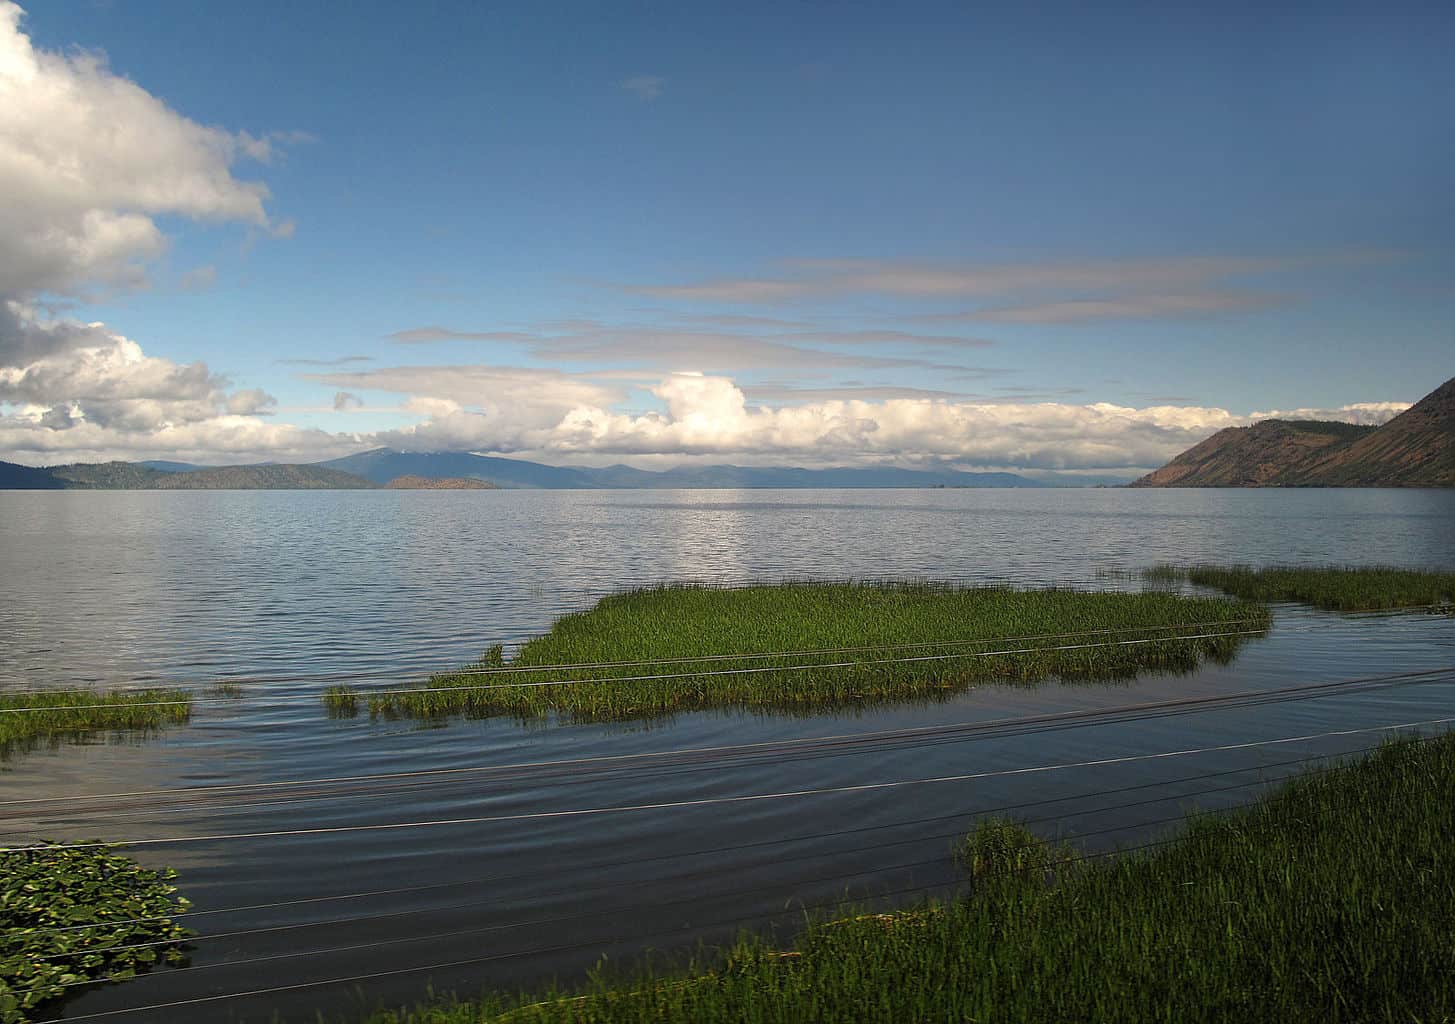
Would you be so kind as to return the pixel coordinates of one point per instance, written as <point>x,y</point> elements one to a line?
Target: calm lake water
<point>283,590</point>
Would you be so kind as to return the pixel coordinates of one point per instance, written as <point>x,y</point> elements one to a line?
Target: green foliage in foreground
<point>1331,900</point>
<point>73,715</point>
<point>45,891</point>
<point>668,627</point>
<point>1336,588</point>
<point>1000,846</point>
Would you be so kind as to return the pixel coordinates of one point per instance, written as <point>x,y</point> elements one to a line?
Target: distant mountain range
<point>135,476</point>
<point>1415,449</point>
<point>384,464</point>
<point>437,470</point>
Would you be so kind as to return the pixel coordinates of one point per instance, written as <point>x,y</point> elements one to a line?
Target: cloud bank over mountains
<point>92,166</point>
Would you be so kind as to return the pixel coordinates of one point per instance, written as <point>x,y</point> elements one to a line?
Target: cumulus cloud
<point>708,415</point>
<point>711,416</point>
<point>1370,414</point>
<point>251,402</point>
<point>88,163</point>
<point>89,159</point>
<point>345,400</point>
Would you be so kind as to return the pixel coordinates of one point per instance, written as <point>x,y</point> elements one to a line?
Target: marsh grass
<point>671,623</point>
<point>1333,588</point>
<point>55,717</point>
<point>1000,846</point>
<point>1332,899</point>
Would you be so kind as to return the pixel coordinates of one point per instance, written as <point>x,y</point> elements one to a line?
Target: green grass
<point>1335,588</point>
<point>53,717</point>
<point>1333,899</point>
<point>46,892</point>
<point>690,622</point>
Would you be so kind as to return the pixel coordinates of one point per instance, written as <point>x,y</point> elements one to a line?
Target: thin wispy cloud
<point>645,87</point>
<point>423,335</point>
<point>808,278</point>
<point>870,337</point>
<point>1131,307</point>
<point>339,361</point>
<point>724,351</point>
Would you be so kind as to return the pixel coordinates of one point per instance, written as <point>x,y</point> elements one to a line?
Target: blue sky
<point>1226,209</point>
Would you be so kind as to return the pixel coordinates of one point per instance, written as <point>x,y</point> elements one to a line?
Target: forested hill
<point>130,476</point>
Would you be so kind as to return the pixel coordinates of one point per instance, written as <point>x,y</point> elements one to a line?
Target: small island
<point>805,647</point>
<point>447,483</point>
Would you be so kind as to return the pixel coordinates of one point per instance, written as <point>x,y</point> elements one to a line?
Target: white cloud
<point>88,159</point>
<point>711,416</point>
<point>1366,413</point>
<point>343,401</point>
<point>216,440</point>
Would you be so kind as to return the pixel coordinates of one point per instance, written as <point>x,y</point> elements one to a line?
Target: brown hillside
<point>1415,449</point>
<point>445,483</point>
<point>1255,456</point>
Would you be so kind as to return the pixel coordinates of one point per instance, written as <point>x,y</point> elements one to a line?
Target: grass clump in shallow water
<point>1333,899</point>
<point>1000,846</point>
<point>28,720</point>
<point>1334,588</point>
<point>47,891</point>
<point>663,630</point>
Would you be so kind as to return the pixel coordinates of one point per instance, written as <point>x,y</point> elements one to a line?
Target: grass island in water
<point>28,720</point>
<point>1332,899</point>
<point>1333,588</point>
<point>863,640</point>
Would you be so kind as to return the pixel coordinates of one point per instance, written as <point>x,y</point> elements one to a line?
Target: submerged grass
<point>682,623</point>
<point>28,720</point>
<point>1334,588</point>
<point>1333,899</point>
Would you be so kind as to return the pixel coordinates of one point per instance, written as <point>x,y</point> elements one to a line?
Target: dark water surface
<point>279,589</point>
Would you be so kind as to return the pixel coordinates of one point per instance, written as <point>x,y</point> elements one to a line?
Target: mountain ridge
<point>384,464</point>
<point>1414,449</point>
<point>131,476</point>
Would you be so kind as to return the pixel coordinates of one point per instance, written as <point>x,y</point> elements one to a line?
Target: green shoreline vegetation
<point>1332,588</point>
<point>662,629</point>
<point>1330,899</point>
<point>47,891</point>
<point>28,720</point>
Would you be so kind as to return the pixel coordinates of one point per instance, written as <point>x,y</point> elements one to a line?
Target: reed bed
<point>74,715</point>
<point>1332,899</point>
<point>1334,588</point>
<point>659,624</point>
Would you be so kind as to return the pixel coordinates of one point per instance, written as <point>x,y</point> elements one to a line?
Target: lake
<point>284,591</point>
